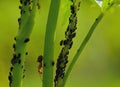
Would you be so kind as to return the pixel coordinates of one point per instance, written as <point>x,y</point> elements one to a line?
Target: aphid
<point>53,63</point>
<point>61,42</point>
<point>20,7</point>
<point>73,35</point>
<point>71,45</point>
<point>10,77</point>
<point>66,57</point>
<point>96,19</point>
<point>38,5</point>
<point>26,53</point>
<point>10,73</point>
<point>79,6</point>
<point>66,61</point>
<point>66,33</point>
<point>23,76</point>
<point>19,61</point>
<point>74,14</point>
<point>70,20</point>
<point>13,45</point>
<point>25,2</point>
<point>21,1</point>
<point>65,42</point>
<point>11,69</point>
<point>14,60</point>
<point>71,0</point>
<point>62,75</point>
<point>40,58</point>
<point>72,30</point>
<point>44,65</point>
<point>19,55</point>
<point>19,21</point>
<point>22,11</point>
<point>72,9</point>
<point>15,38</point>
<point>26,40</point>
<point>24,70</point>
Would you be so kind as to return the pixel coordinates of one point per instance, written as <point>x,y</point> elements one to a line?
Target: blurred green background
<point>99,63</point>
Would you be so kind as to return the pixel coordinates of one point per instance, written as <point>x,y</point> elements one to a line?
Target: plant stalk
<point>49,43</point>
<point>82,46</point>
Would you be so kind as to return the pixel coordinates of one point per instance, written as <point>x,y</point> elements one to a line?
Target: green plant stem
<point>82,46</point>
<point>24,32</point>
<point>49,43</point>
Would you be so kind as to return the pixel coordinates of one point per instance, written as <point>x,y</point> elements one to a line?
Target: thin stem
<point>66,44</point>
<point>25,29</point>
<point>49,43</point>
<point>82,46</point>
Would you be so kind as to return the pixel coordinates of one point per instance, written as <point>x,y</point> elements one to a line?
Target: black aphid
<point>24,70</point>
<point>73,35</point>
<point>72,9</point>
<point>96,19</point>
<point>40,58</point>
<point>65,42</point>
<point>26,40</point>
<point>14,46</point>
<point>53,63</point>
<point>38,5</point>
<point>19,20</point>
<point>22,11</point>
<point>19,55</point>
<point>67,53</point>
<point>20,7</point>
<point>70,20</point>
<point>70,45</point>
<point>71,0</point>
<point>10,74</point>
<point>19,61</point>
<point>72,30</point>
<point>23,76</point>
<point>14,56</point>
<point>25,2</point>
<point>44,65</point>
<point>11,69</point>
<point>61,42</point>
<point>66,33</point>
<point>14,60</point>
<point>26,53</point>
<point>21,1</point>
<point>10,77</point>
<point>15,38</point>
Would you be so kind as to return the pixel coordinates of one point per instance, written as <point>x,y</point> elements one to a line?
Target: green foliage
<point>26,23</point>
<point>106,4</point>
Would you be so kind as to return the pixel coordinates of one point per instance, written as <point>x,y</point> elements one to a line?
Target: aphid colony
<point>67,44</point>
<point>25,7</point>
<point>16,60</point>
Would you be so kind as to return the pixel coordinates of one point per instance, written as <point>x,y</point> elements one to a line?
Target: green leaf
<point>107,4</point>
